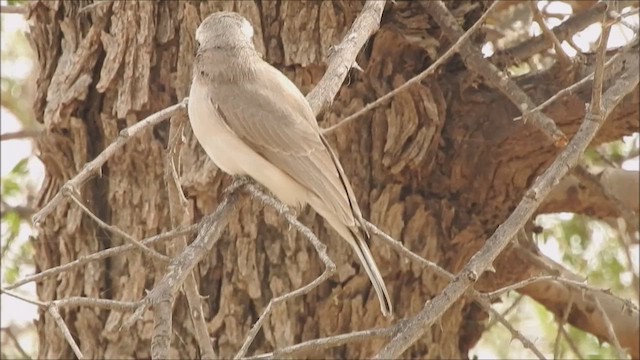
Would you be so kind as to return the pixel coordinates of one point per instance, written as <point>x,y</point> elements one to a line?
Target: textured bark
<point>438,168</point>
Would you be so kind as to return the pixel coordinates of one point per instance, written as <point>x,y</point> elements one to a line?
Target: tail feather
<point>361,248</point>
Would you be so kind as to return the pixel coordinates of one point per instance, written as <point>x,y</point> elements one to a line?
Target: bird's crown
<point>225,29</point>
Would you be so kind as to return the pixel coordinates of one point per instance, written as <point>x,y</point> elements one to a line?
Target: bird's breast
<point>218,141</point>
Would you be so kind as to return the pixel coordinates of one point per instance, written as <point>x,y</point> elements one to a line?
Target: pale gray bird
<point>252,120</point>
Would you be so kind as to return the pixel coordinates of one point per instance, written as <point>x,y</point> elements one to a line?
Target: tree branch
<point>18,135</point>
<point>564,31</point>
<point>163,293</point>
<point>12,9</point>
<point>100,255</point>
<point>342,57</point>
<point>563,286</point>
<point>114,229</point>
<point>182,214</point>
<point>73,184</point>
<point>321,249</point>
<point>482,260</point>
<point>416,79</point>
<point>496,78</point>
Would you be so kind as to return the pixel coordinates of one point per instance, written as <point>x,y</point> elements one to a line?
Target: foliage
<point>16,186</point>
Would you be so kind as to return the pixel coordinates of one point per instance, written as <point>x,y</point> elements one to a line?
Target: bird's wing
<point>276,121</point>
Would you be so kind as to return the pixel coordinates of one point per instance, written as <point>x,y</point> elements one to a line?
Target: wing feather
<point>276,121</point>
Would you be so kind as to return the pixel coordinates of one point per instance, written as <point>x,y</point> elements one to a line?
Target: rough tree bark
<point>438,168</point>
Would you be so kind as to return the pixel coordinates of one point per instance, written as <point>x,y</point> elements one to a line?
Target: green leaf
<point>21,168</point>
<point>10,187</point>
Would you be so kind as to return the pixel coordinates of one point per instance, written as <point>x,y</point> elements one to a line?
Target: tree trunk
<point>438,168</point>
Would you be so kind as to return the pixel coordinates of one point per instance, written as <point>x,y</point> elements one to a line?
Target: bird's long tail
<point>360,246</point>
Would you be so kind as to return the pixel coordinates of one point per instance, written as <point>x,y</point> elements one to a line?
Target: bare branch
<point>496,78</point>
<point>416,79</point>
<point>506,312</point>
<point>24,212</point>
<point>612,65</point>
<point>596,108</point>
<point>563,58</point>
<point>53,311</point>
<point>562,32</point>
<point>321,249</point>
<point>612,334</point>
<point>561,321</point>
<point>324,343</point>
<point>482,260</point>
<point>481,299</point>
<point>101,255</point>
<point>94,165</point>
<point>343,56</point>
<point>114,229</point>
<point>164,292</point>
<point>515,333</point>
<point>555,294</point>
<point>19,135</point>
<point>181,214</point>
<point>7,330</point>
<point>53,306</point>
<point>12,9</point>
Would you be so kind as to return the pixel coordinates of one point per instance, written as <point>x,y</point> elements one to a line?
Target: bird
<point>251,120</point>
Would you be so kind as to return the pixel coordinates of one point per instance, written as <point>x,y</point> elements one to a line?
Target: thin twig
<point>94,165</point>
<point>571,283</point>
<point>481,299</point>
<point>572,344</point>
<point>114,229</point>
<point>615,62</point>
<point>624,240</point>
<point>76,301</point>
<point>342,56</point>
<point>182,214</point>
<point>19,135</point>
<point>492,75</point>
<point>275,301</point>
<point>330,268</point>
<point>561,321</point>
<point>517,334</point>
<point>506,312</point>
<point>613,338</point>
<point>574,24</point>
<point>567,159</point>
<point>317,345</point>
<point>597,110</point>
<point>519,285</point>
<point>398,246</point>
<point>595,107</point>
<point>12,9</point>
<point>53,311</point>
<point>180,267</point>
<point>16,342</point>
<point>563,58</point>
<point>416,79</point>
<point>101,255</point>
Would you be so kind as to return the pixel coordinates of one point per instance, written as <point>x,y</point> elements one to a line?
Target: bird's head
<point>225,29</point>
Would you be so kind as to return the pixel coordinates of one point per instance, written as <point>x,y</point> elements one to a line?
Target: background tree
<point>439,167</point>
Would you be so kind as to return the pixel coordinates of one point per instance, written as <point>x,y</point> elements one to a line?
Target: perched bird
<point>252,120</point>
